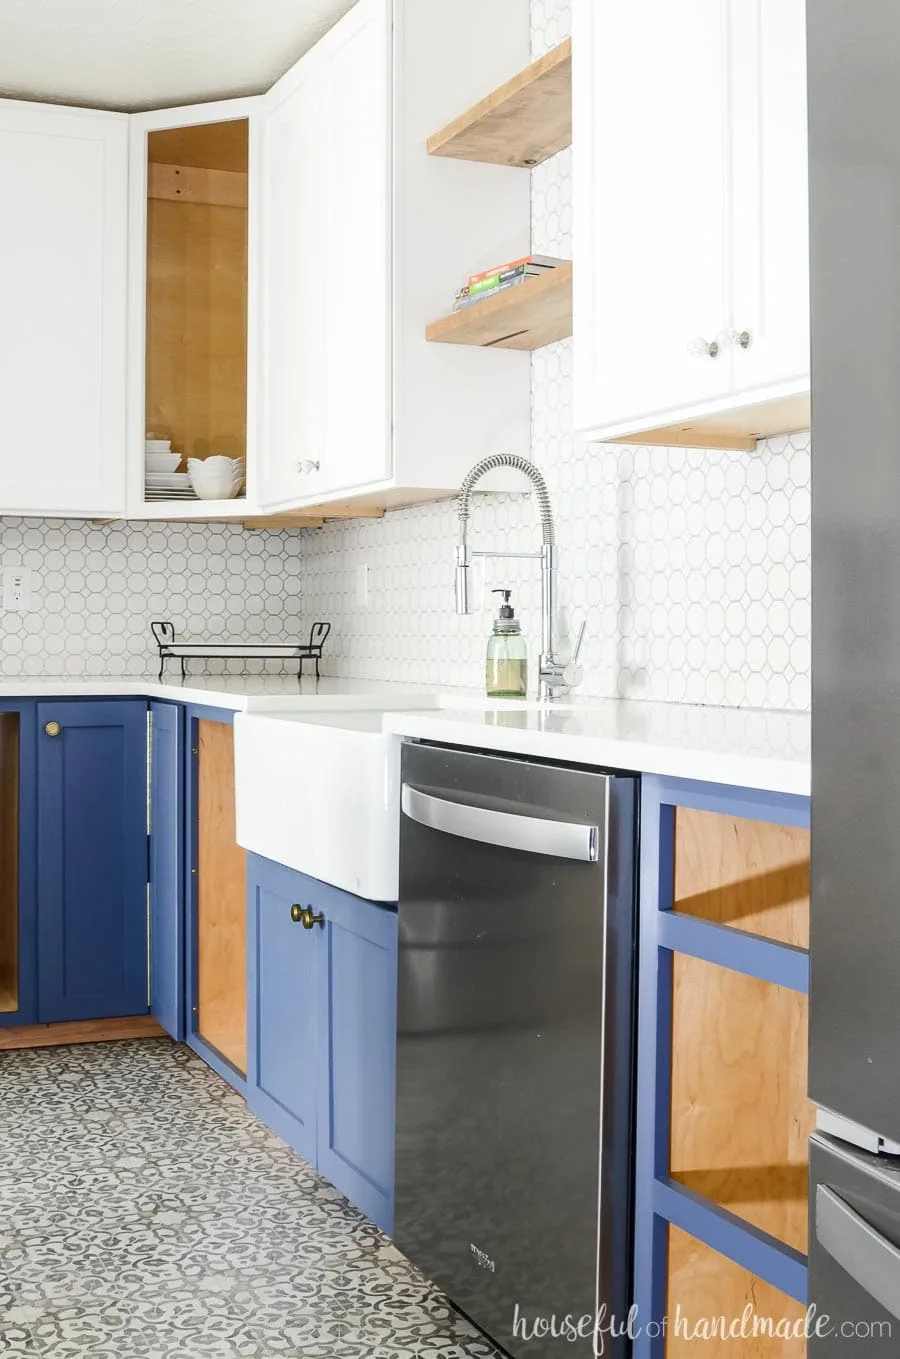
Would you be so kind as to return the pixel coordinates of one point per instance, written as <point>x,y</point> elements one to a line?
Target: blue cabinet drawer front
<point>281,1066</point>
<point>92,860</point>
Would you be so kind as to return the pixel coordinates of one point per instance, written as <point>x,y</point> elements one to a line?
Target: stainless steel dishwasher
<point>515,1043</point>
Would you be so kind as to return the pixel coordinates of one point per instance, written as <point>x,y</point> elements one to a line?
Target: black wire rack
<point>171,649</point>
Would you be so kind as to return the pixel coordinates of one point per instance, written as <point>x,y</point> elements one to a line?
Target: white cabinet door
<point>770,302</point>
<point>358,283</point>
<point>63,223</point>
<point>325,313</point>
<point>651,257</point>
<point>292,279</point>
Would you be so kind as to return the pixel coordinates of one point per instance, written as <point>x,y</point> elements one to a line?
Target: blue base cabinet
<point>322,1015</point>
<point>281,1010</point>
<point>92,859</point>
<point>167,838</point>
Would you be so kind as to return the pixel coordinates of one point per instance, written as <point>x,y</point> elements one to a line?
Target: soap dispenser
<point>506,670</point>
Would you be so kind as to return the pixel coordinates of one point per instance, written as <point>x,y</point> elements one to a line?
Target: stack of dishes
<point>161,481</point>
<point>216,477</point>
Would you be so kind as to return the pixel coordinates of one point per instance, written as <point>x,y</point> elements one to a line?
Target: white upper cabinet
<point>363,240</point>
<point>63,302</point>
<point>691,283</point>
<point>192,362</point>
<point>770,224</point>
<point>324,267</point>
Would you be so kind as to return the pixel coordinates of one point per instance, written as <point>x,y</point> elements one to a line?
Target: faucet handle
<point>573,673</point>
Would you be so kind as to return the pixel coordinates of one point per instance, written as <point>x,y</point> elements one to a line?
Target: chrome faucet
<point>553,675</point>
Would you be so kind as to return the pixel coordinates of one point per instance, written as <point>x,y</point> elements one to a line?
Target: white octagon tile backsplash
<point>96,589</point>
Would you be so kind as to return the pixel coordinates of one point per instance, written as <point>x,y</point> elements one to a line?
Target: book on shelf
<point>467,299</point>
<point>530,264</point>
<point>491,281</point>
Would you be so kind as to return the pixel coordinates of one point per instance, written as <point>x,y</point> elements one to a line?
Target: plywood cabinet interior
<point>704,1286</point>
<point>196,318</point>
<point>740,1117</point>
<point>221,920</point>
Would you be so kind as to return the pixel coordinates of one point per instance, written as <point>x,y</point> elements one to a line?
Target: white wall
<point>691,567</point>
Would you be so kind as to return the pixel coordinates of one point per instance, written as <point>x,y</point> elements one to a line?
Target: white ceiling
<point>138,54</point>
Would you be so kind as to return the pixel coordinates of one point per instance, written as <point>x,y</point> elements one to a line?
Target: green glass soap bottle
<point>506,668</point>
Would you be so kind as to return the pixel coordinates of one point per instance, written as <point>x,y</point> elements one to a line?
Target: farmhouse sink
<point>320,793</point>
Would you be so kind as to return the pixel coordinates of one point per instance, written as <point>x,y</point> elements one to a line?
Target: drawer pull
<point>52,728</point>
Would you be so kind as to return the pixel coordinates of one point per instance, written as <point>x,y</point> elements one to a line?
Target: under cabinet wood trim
<point>527,316</point>
<point>80,1031</point>
<point>189,184</point>
<point>522,123</point>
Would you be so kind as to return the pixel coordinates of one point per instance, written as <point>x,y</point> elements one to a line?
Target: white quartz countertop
<point>262,693</point>
<point>746,748</point>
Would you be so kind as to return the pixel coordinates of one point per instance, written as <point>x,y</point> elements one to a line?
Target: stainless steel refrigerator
<point>854,102</point>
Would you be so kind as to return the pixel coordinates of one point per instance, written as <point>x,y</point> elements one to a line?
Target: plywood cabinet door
<point>325,266</point>
<point>650,210</point>
<point>770,196</point>
<point>63,227</point>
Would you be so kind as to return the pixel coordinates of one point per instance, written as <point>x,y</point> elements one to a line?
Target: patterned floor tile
<point>146,1214</point>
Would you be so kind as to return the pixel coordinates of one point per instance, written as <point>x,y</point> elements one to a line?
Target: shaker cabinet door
<point>357,1025</point>
<point>770,194</point>
<point>325,263</point>
<point>64,176</point>
<point>281,1007</point>
<point>92,860</point>
<point>650,211</point>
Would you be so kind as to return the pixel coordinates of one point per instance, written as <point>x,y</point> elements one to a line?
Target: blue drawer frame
<point>659,1199</point>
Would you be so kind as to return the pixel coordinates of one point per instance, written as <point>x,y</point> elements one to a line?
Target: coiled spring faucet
<point>553,675</point>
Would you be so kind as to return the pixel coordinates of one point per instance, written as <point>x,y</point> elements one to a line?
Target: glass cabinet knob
<point>704,349</point>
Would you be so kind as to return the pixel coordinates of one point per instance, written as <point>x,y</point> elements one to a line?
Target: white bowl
<point>162,462</point>
<point>157,445</point>
<point>217,477</point>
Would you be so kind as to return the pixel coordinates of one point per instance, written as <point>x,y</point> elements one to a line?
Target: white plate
<point>167,479</point>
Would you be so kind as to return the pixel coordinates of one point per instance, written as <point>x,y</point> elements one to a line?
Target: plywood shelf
<point>530,315</point>
<point>523,123</point>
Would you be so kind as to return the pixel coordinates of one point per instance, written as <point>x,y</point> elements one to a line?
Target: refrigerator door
<point>513,1170</point>
<point>854,1253</point>
<point>854,94</point>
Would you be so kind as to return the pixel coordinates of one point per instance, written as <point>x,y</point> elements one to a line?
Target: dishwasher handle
<point>867,1256</point>
<point>533,834</point>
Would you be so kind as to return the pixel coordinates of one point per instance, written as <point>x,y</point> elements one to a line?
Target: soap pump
<point>506,668</point>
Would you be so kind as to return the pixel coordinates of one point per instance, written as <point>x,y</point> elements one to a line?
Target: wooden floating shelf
<point>530,315</point>
<point>524,122</point>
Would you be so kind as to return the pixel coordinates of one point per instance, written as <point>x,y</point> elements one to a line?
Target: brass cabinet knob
<point>305,916</point>
<point>52,728</point>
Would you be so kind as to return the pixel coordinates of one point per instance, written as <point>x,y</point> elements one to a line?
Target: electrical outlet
<point>16,589</point>
<point>362,586</point>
